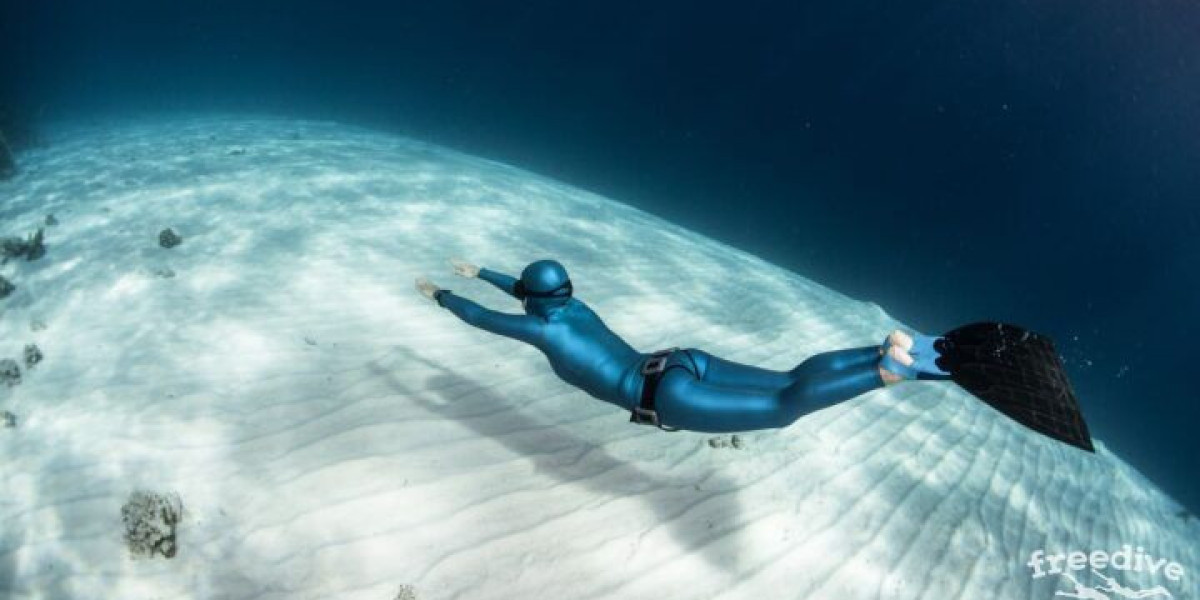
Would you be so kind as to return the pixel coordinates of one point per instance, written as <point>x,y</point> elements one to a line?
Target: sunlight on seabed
<point>333,433</point>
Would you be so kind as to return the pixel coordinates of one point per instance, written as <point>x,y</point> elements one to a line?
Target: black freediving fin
<point>1017,372</point>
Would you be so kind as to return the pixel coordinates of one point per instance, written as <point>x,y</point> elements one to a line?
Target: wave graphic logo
<point>1105,586</point>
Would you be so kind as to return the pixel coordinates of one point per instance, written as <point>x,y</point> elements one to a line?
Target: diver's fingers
<point>426,287</point>
<point>464,268</point>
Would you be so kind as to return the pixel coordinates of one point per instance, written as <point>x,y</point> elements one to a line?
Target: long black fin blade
<point>1019,373</point>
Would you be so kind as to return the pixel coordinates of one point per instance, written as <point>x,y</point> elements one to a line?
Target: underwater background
<point>1021,161</point>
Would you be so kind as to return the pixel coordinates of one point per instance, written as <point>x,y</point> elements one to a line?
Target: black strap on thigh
<point>652,371</point>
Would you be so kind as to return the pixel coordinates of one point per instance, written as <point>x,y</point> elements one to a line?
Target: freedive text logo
<point>1069,564</point>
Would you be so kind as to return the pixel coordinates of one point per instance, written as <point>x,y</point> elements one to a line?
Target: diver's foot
<point>896,338</point>
<point>900,339</point>
<point>921,354</point>
<point>896,365</point>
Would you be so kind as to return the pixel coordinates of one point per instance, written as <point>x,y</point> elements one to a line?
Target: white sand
<point>404,448</point>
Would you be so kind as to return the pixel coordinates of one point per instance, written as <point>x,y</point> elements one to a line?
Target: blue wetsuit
<point>698,391</point>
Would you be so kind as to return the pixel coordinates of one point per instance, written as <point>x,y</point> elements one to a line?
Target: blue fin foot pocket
<point>925,355</point>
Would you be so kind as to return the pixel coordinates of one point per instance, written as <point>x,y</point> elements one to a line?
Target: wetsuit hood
<point>544,285</point>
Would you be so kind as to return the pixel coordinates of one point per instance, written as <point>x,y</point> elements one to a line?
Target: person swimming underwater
<point>678,388</point>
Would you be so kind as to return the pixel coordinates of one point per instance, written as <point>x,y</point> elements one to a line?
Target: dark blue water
<point>1033,162</point>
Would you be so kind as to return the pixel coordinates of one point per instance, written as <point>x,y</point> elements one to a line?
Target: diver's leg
<point>854,357</point>
<point>837,360</point>
<point>685,402</point>
<point>726,373</point>
<point>815,391</point>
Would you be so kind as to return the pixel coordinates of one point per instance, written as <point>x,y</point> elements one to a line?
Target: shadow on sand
<point>712,535</point>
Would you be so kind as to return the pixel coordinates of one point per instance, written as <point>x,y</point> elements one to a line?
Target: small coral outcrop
<point>150,520</point>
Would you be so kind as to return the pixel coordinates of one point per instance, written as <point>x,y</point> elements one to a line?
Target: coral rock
<point>33,355</point>
<point>150,521</point>
<point>10,372</point>
<point>167,238</point>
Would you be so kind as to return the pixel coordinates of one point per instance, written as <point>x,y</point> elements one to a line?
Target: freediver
<point>678,388</point>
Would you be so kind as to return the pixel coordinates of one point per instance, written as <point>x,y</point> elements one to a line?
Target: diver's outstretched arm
<point>505,283</point>
<point>520,327</point>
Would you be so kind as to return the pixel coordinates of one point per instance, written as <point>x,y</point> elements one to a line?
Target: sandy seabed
<point>332,434</point>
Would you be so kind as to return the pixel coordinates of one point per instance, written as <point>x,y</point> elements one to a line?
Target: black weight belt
<point>652,371</point>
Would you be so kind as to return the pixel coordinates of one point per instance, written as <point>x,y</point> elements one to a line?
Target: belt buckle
<point>644,416</point>
<point>657,361</point>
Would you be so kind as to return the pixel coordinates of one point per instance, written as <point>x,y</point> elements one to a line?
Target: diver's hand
<point>427,287</point>
<point>463,268</point>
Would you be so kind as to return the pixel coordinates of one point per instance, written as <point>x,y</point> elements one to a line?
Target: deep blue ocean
<point>1030,162</point>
